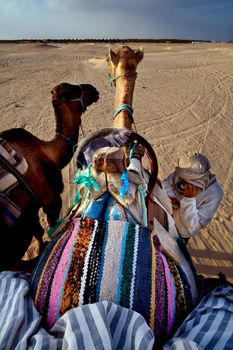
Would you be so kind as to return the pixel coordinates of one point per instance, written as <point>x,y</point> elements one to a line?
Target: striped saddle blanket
<point>106,251</point>
<point>92,260</point>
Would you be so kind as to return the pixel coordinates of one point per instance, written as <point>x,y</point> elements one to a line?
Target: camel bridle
<point>112,79</point>
<point>79,99</point>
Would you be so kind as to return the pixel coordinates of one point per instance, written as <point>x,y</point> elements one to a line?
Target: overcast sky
<point>97,19</point>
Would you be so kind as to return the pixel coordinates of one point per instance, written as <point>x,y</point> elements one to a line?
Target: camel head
<point>82,94</point>
<point>124,60</point>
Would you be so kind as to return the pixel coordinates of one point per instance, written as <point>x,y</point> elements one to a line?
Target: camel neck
<point>124,95</point>
<point>68,120</point>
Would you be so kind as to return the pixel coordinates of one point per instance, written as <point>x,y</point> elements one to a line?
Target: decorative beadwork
<point>73,281</point>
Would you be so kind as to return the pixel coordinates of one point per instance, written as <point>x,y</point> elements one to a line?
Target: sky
<point>114,19</point>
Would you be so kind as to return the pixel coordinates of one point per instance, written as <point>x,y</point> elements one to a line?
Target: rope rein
<point>67,138</point>
<point>124,107</point>
<point>127,108</point>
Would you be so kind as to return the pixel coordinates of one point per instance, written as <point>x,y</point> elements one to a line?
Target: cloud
<point>120,6</point>
<point>188,19</point>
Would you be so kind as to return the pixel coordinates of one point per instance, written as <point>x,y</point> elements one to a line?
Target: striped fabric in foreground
<point>209,326</point>
<point>103,325</point>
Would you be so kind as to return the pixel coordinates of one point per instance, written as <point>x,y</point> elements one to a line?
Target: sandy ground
<point>182,103</point>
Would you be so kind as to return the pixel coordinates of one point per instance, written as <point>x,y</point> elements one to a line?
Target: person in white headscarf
<point>195,194</point>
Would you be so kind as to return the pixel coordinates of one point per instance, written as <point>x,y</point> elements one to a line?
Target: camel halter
<point>79,99</point>
<point>111,79</point>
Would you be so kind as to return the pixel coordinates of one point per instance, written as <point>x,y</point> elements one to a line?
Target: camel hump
<point>17,134</point>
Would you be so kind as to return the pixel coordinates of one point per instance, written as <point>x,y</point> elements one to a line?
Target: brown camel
<point>44,178</point>
<point>123,64</point>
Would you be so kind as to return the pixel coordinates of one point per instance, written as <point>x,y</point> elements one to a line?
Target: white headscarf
<point>194,170</point>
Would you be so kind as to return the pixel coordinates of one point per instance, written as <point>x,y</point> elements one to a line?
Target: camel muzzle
<point>96,95</point>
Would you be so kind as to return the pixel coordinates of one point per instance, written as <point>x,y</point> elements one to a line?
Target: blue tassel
<point>77,198</point>
<point>89,182</point>
<point>125,185</point>
<point>86,180</point>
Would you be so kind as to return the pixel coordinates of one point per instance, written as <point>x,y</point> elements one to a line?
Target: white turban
<point>194,170</point>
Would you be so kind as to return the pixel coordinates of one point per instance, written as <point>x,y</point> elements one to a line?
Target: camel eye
<point>66,95</point>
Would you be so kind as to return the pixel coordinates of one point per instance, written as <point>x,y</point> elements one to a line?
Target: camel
<point>42,183</point>
<point>122,73</point>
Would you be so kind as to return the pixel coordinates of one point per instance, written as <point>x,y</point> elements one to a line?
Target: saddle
<point>9,158</point>
<point>109,166</point>
<point>14,159</point>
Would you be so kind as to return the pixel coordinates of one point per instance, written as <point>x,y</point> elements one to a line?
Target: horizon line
<point>175,40</point>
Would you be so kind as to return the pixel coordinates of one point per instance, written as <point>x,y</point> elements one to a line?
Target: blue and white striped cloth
<point>103,325</point>
<point>209,326</point>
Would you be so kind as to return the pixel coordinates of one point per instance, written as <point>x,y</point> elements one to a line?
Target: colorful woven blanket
<point>93,260</point>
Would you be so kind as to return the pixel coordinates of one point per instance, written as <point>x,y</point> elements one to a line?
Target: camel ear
<point>139,54</point>
<point>113,57</point>
<point>54,93</point>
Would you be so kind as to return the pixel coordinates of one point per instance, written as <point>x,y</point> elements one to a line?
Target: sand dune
<point>182,101</point>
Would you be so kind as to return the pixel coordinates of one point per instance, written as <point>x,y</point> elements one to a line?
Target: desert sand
<point>183,103</point>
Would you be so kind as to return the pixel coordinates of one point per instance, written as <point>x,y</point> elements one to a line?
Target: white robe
<point>194,213</point>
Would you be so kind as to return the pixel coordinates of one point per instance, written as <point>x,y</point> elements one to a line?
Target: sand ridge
<point>182,104</point>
